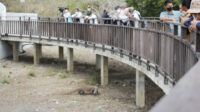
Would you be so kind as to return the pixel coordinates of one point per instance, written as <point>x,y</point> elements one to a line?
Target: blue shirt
<point>198,25</point>
<point>188,22</point>
<point>175,15</point>
<point>104,15</point>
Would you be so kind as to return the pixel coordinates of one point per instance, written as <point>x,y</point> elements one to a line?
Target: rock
<point>57,102</point>
<point>124,85</point>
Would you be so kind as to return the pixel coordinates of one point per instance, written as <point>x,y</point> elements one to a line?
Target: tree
<point>150,8</point>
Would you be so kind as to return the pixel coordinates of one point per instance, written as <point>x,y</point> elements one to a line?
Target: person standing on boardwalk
<point>171,15</point>
<point>194,22</point>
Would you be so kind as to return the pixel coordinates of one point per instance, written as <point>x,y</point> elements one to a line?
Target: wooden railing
<point>151,42</point>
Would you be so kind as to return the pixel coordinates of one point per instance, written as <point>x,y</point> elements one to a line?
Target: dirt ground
<point>28,88</point>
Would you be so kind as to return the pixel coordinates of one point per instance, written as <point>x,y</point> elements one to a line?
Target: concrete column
<point>16,51</point>
<point>140,89</point>
<point>104,70</point>
<point>61,53</point>
<point>70,60</point>
<point>36,53</point>
<point>98,62</point>
<point>40,50</point>
<point>5,49</point>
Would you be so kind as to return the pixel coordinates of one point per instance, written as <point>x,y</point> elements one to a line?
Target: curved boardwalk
<point>151,48</point>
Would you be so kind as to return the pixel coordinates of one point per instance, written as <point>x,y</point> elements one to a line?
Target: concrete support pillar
<point>140,89</point>
<point>16,51</point>
<point>5,49</point>
<point>40,50</point>
<point>36,54</point>
<point>61,53</point>
<point>98,62</point>
<point>104,70</point>
<point>70,60</point>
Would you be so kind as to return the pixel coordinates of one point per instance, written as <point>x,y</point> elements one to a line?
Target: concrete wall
<point>5,49</point>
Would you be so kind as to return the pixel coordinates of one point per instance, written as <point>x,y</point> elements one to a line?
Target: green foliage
<point>18,82</point>
<point>5,81</point>
<point>51,74</point>
<point>62,75</point>
<point>150,8</point>
<point>4,66</point>
<point>31,73</point>
<point>95,79</point>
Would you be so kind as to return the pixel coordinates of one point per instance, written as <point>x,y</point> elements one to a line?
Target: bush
<point>31,73</point>
<point>62,75</point>
<point>5,81</point>
<point>95,79</point>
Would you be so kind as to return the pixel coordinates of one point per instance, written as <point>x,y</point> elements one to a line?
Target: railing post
<point>30,34</point>
<point>156,71</point>
<point>49,20</point>
<point>38,28</point>
<point>0,27</point>
<point>193,35</point>
<point>175,29</point>
<point>58,26</point>
<point>166,27</point>
<point>20,25</point>
<point>197,42</point>
<point>184,33</point>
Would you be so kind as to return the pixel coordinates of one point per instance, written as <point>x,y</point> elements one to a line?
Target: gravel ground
<point>28,88</point>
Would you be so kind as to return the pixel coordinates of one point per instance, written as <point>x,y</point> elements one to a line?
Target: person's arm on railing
<point>195,25</point>
<point>164,18</point>
<point>167,19</point>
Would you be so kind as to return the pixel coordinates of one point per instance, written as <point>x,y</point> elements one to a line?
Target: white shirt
<point>135,14</point>
<point>78,15</point>
<point>123,15</point>
<point>67,14</point>
<point>92,19</point>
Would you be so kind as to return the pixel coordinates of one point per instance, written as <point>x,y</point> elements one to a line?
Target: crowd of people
<point>188,15</point>
<point>78,16</point>
<point>121,13</point>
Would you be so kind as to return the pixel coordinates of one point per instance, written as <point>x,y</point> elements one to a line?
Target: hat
<point>131,8</point>
<point>117,7</point>
<point>195,7</point>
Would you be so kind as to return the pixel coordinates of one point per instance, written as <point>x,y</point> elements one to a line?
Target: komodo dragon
<point>85,90</point>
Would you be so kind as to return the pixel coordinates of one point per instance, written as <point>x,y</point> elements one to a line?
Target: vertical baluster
<point>49,27</point>
<point>30,28</point>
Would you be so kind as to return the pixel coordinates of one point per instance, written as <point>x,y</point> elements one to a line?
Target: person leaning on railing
<point>134,17</point>
<point>91,18</point>
<point>78,16</point>
<point>171,15</point>
<point>185,6</point>
<point>106,17</point>
<point>67,15</point>
<point>194,22</point>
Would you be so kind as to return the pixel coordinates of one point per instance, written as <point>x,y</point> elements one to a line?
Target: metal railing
<point>170,54</point>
